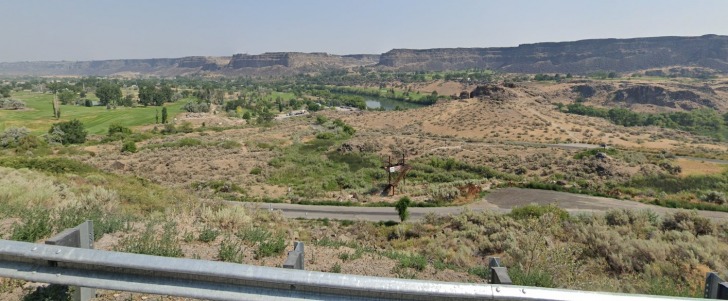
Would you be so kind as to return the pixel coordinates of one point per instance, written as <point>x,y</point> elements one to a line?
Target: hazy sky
<point>104,29</point>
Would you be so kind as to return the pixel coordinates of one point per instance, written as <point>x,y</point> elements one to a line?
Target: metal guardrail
<point>227,281</point>
<point>498,273</point>
<point>81,236</point>
<point>296,257</point>
<point>715,288</point>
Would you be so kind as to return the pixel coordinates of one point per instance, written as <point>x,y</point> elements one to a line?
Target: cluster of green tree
<point>5,91</point>
<point>108,93</point>
<point>366,75</point>
<point>151,95</point>
<point>197,107</point>
<point>603,75</point>
<point>556,77</point>
<point>407,96</point>
<point>471,75</point>
<point>680,72</point>
<point>705,122</point>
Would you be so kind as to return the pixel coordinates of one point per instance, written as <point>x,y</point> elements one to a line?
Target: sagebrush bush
<point>34,225</point>
<point>152,242</point>
<point>12,136</point>
<point>231,251</point>
<point>270,247</point>
<point>129,147</point>
<point>226,217</point>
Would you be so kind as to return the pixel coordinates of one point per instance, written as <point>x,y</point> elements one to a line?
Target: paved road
<point>500,200</point>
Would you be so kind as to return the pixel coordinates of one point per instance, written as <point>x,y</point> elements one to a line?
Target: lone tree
<point>69,132</point>
<point>164,115</point>
<point>401,207</point>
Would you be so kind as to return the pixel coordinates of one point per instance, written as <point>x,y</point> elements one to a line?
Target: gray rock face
<point>274,63</point>
<point>174,66</point>
<point>620,55</point>
<point>300,60</point>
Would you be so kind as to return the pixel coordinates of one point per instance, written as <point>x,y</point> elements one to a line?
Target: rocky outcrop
<point>589,90</point>
<point>659,96</point>
<point>579,57</point>
<point>494,92</point>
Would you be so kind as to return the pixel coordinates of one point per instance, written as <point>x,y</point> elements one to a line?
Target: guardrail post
<point>81,236</point>
<point>715,287</point>
<point>498,273</point>
<point>295,258</point>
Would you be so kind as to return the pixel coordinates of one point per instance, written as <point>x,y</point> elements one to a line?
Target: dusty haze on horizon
<point>97,30</point>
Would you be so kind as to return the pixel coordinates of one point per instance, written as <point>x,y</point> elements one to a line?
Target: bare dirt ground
<point>525,116</point>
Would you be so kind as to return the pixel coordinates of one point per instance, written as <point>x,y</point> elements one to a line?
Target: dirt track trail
<point>499,200</point>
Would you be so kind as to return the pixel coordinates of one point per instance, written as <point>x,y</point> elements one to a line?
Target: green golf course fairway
<point>38,116</point>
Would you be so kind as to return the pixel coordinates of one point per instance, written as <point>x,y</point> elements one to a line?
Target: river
<point>389,104</point>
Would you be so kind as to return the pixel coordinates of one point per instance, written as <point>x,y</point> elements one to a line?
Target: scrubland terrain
<point>170,195</point>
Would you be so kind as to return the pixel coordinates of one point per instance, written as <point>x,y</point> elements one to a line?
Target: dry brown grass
<point>694,167</point>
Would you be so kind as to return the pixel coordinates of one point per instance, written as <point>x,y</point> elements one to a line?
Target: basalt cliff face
<point>579,57</point>
<point>278,63</point>
<point>161,67</point>
<point>300,60</point>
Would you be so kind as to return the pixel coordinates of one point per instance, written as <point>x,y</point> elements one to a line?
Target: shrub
<point>254,235</point>
<point>129,147</point>
<point>231,251</point>
<point>11,104</point>
<point>186,127</point>
<point>321,119</point>
<point>325,135</point>
<point>12,136</point>
<point>34,225</point>
<point>208,234</point>
<point>536,211</point>
<point>415,261</point>
<point>401,207</point>
<point>148,242</point>
<point>118,128</point>
<point>54,165</point>
<point>168,129</point>
<point>188,142</point>
<point>226,217</point>
<point>532,278</point>
<point>271,247</point>
<point>617,217</point>
<point>256,170</point>
<point>69,132</point>
<point>229,144</point>
<point>687,221</point>
<point>714,197</point>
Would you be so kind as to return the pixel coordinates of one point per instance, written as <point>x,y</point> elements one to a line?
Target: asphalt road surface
<point>499,200</point>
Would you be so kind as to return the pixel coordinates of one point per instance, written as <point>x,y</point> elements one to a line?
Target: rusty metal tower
<point>400,169</point>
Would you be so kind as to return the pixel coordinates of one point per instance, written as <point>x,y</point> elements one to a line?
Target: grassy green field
<point>283,95</point>
<point>39,115</point>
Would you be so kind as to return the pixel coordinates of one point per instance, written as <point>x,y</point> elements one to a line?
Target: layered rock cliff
<point>277,63</point>
<point>167,67</point>
<point>300,60</point>
<point>579,57</point>
<point>621,55</point>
